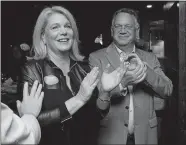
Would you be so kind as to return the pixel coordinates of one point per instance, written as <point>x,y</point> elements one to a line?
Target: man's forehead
<point>123,16</point>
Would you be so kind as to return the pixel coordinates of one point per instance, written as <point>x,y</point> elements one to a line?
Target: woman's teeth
<point>63,40</point>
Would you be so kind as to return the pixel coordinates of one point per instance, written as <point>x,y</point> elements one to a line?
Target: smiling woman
<point>70,113</point>
<point>58,35</point>
<point>59,66</point>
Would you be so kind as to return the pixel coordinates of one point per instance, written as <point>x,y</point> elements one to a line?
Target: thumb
<point>18,103</point>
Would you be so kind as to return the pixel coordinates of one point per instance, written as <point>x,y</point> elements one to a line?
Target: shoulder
<point>98,53</point>
<point>146,55</point>
<point>31,63</point>
<point>32,67</point>
<point>84,64</point>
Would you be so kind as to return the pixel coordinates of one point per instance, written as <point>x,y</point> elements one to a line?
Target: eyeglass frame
<point>120,27</point>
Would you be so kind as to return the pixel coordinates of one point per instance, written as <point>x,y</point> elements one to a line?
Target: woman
<point>69,112</point>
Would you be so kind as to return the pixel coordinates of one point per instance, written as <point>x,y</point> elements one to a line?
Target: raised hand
<point>110,80</point>
<point>32,103</point>
<point>88,85</point>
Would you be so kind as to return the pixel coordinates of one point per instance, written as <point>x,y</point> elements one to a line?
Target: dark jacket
<point>58,126</point>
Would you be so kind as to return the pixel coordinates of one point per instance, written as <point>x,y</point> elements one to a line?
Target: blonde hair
<point>38,44</point>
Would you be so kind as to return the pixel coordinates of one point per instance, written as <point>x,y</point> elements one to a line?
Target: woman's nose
<point>63,31</point>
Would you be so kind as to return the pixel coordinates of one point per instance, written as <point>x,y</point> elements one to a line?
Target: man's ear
<point>137,33</point>
<point>112,31</point>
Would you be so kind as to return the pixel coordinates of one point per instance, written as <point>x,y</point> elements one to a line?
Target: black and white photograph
<point>93,72</point>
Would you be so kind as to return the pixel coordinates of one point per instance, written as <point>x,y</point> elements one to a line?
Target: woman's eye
<point>68,26</point>
<point>54,27</point>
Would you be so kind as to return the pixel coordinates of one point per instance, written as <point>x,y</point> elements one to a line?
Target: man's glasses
<point>127,27</point>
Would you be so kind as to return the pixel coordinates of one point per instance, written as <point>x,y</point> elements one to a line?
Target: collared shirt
<point>124,93</point>
<point>124,90</point>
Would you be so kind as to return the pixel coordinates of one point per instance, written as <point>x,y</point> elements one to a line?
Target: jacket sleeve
<point>103,107</point>
<point>60,113</point>
<point>157,80</point>
<point>16,130</point>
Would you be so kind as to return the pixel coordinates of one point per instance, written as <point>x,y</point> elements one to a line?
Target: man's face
<point>123,30</point>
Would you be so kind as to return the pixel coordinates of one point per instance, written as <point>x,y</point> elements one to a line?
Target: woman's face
<point>58,33</point>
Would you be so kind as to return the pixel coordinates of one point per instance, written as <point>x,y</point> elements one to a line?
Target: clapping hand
<point>88,85</point>
<point>136,72</point>
<point>110,80</point>
<point>32,102</point>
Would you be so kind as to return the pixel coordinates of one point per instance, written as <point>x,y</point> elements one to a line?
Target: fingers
<point>38,92</point>
<point>40,98</point>
<point>91,77</point>
<point>18,104</point>
<point>123,57</point>
<point>123,70</point>
<point>93,72</point>
<point>132,55</point>
<point>25,90</point>
<point>135,56</point>
<point>141,79</point>
<point>34,87</point>
<point>95,84</point>
<point>126,65</point>
<point>140,76</point>
<point>138,70</point>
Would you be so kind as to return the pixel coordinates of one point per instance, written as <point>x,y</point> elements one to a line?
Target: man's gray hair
<point>129,11</point>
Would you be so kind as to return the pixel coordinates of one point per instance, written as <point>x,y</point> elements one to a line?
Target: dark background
<point>93,18</point>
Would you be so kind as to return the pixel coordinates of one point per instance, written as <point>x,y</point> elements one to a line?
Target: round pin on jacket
<point>51,80</point>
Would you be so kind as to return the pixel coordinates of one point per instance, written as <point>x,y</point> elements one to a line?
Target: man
<point>24,130</point>
<point>131,118</point>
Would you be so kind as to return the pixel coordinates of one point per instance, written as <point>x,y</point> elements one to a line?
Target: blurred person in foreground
<point>24,129</point>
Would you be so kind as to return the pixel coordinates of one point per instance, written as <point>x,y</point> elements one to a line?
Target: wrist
<point>104,96</point>
<point>79,98</point>
<point>29,113</point>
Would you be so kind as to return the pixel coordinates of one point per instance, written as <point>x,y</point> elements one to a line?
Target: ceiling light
<point>149,6</point>
<point>177,4</point>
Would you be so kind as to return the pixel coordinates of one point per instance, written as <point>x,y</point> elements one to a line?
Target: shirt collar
<point>72,63</point>
<point>120,51</point>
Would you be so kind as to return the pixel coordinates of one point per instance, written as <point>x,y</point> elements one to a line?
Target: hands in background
<point>136,72</point>
<point>32,102</point>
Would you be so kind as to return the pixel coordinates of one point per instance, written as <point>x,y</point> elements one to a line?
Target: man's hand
<point>110,80</point>
<point>32,103</point>
<point>136,72</point>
